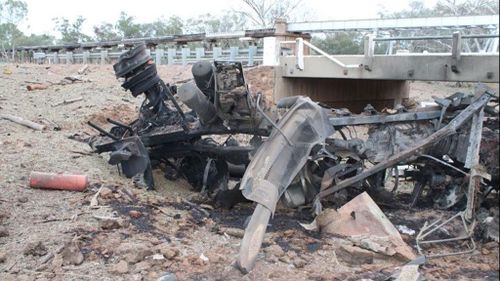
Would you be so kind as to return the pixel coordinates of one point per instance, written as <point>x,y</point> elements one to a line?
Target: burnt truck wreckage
<point>300,151</point>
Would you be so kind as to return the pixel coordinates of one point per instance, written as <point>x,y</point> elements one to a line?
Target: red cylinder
<point>58,181</point>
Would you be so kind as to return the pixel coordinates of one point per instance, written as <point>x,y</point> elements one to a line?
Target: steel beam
<point>427,67</point>
<point>384,24</point>
<point>378,119</point>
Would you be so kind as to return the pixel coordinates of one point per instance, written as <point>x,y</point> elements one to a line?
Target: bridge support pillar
<point>353,94</point>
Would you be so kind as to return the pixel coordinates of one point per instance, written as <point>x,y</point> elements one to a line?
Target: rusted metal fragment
<point>362,222</point>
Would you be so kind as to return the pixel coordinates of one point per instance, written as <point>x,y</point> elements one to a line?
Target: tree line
<point>250,14</point>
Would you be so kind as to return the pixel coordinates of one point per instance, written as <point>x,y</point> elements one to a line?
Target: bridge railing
<point>250,56</point>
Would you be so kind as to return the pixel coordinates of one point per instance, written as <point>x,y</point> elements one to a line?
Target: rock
<point>285,259</point>
<point>106,193</point>
<point>167,277</point>
<point>215,258</point>
<point>168,251</point>
<point>354,255</point>
<point>490,245</point>
<point>299,262</point>
<point>3,231</point>
<point>364,224</point>
<point>35,249</point>
<point>23,277</point>
<point>158,257</point>
<point>23,199</point>
<point>3,257</point>
<point>121,267</point>
<point>112,223</point>
<point>57,262</point>
<point>71,254</point>
<point>204,258</point>
<point>142,266</point>
<point>274,250</point>
<point>134,214</point>
<point>235,232</point>
<point>485,251</point>
<point>134,252</point>
<point>410,273</point>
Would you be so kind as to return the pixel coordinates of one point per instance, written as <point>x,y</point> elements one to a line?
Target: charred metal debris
<point>300,152</point>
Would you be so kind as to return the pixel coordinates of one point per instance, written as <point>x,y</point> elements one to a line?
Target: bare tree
<point>262,13</point>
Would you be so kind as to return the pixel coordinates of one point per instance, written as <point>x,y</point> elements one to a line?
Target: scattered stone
<point>274,250</point>
<point>3,231</point>
<point>168,251</point>
<point>354,255</point>
<point>235,232</point>
<point>23,277</point>
<point>142,266</point>
<point>121,267</point>
<point>299,262</point>
<point>167,277</point>
<point>491,245</point>
<point>106,193</point>
<point>23,199</point>
<point>3,257</point>
<point>204,258</point>
<point>285,259</point>
<point>35,249</point>
<point>410,273</point>
<point>158,257</point>
<point>72,254</point>
<point>134,214</point>
<point>108,223</point>
<point>134,252</point>
<point>57,262</point>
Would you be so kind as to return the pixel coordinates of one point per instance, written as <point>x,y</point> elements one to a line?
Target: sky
<point>41,12</point>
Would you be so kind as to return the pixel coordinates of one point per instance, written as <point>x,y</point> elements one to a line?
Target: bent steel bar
<point>380,119</point>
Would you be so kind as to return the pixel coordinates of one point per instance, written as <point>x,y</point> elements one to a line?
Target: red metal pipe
<point>58,181</point>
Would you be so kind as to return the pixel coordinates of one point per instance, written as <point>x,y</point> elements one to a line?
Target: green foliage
<point>36,40</point>
<point>345,43</point>
<point>71,32</point>
<point>12,12</point>
<point>127,28</point>
<point>162,27</point>
<point>105,32</point>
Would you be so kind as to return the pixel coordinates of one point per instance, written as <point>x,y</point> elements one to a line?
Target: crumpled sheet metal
<point>277,162</point>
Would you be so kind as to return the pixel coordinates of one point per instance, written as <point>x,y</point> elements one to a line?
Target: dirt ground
<point>133,234</point>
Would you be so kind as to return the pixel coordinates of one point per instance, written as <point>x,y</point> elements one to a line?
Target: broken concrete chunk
<point>364,224</point>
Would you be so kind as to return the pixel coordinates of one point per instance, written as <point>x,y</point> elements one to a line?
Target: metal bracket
<point>428,229</point>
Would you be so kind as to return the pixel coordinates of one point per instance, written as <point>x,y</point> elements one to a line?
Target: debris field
<point>170,165</point>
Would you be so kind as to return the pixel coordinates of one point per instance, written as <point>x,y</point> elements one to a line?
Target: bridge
<point>302,68</point>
